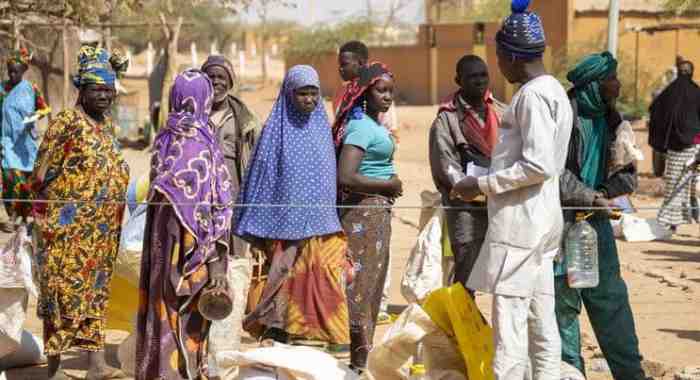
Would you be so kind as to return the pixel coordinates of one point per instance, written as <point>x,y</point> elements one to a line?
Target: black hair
<point>689,65</point>
<point>356,47</point>
<point>466,61</point>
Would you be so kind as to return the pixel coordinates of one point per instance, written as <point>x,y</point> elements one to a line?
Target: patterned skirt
<point>303,294</point>
<point>679,195</point>
<point>14,186</point>
<point>369,236</point>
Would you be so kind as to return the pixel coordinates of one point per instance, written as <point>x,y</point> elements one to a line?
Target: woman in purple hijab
<point>186,244</point>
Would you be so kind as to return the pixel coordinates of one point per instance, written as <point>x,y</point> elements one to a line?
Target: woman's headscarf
<point>592,111</point>
<point>673,116</point>
<point>188,167</point>
<point>97,66</point>
<point>21,56</point>
<point>522,33</point>
<point>369,75</point>
<point>293,164</point>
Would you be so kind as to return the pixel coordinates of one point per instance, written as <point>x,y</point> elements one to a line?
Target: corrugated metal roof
<point>651,6</point>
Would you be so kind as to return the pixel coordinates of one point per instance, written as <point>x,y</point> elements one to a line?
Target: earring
<point>364,105</point>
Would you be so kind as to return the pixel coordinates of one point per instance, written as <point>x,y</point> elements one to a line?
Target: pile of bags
<point>18,347</point>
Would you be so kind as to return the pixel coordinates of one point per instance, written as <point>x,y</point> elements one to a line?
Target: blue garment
<point>293,163</point>
<point>375,140</point>
<point>19,146</point>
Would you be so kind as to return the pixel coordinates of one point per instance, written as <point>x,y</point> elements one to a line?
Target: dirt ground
<point>663,277</point>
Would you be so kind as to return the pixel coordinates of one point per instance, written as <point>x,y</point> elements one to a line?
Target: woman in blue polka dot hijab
<point>288,215</point>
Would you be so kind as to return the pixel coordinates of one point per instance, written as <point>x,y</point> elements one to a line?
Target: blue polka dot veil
<point>293,164</point>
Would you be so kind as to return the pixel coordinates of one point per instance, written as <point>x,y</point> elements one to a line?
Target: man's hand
<point>466,189</point>
<point>608,204</point>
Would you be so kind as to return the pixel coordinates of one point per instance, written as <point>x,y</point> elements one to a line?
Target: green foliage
<point>481,11</point>
<point>77,11</point>
<point>312,43</point>
<point>680,6</point>
<point>206,22</point>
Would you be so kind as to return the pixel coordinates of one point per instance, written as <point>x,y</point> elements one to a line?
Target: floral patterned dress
<point>79,161</point>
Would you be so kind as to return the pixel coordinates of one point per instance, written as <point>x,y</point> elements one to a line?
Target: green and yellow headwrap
<point>21,56</point>
<point>96,66</point>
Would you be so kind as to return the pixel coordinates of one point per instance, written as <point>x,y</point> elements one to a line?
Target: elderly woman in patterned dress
<point>79,162</point>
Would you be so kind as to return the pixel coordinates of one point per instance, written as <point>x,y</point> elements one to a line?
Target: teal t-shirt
<point>377,143</point>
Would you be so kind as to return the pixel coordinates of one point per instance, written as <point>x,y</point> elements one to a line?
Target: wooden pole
<point>15,32</point>
<point>66,65</point>
<point>636,68</point>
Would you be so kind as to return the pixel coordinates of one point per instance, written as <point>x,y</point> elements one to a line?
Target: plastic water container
<point>581,247</point>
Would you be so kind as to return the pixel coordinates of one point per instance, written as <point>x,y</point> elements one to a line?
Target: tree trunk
<point>66,65</point>
<point>172,35</point>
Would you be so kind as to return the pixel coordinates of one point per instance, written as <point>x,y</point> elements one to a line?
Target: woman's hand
<point>396,187</point>
<point>217,277</point>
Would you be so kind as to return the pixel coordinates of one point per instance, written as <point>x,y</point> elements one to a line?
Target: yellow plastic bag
<point>123,304</point>
<point>458,316</point>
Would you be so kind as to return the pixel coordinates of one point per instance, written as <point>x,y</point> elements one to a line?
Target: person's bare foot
<point>99,370</point>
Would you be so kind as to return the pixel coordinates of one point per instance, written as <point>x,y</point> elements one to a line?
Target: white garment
<point>525,330</point>
<point>525,217</point>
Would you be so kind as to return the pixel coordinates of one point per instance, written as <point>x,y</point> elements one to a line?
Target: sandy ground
<point>663,277</point>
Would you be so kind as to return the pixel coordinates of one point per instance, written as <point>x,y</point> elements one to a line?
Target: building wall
<point>657,52</point>
<point>412,64</point>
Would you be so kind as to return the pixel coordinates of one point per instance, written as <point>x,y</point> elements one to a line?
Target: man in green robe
<point>589,182</point>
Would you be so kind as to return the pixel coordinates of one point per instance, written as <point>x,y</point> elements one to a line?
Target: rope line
<point>339,206</point>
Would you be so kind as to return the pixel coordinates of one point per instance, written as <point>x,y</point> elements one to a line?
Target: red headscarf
<point>483,135</point>
<point>369,75</point>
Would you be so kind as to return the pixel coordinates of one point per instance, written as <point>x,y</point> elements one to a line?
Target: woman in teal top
<point>367,177</point>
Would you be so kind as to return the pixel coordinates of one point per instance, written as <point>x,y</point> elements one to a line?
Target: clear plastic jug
<point>581,247</point>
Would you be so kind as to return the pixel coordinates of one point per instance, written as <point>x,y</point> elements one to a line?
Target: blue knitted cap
<point>522,34</point>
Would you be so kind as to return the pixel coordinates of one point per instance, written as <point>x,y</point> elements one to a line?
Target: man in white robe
<point>525,218</point>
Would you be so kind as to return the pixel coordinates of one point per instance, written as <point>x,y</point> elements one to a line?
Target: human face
<point>97,99</point>
<point>507,67</point>
<point>15,72</point>
<point>380,95</point>
<point>221,82</point>
<point>306,99</point>
<point>610,88</point>
<point>473,80</point>
<point>349,66</point>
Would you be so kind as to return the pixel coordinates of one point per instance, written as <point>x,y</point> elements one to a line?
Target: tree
<point>262,9</point>
<point>680,6</point>
<point>170,16</point>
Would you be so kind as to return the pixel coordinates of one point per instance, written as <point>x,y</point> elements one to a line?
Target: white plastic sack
<point>13,308</point>
<point>126,354</point>
<point>225,335</point>
<point>389,359</point>
<point>29,352</point>
<point>296,362</point>
<point>255,373</point>
<point>424,267</point>
<point>16,263</point>
<point>636,229</point>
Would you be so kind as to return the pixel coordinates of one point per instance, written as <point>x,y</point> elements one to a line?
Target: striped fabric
<point>675,210</point>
